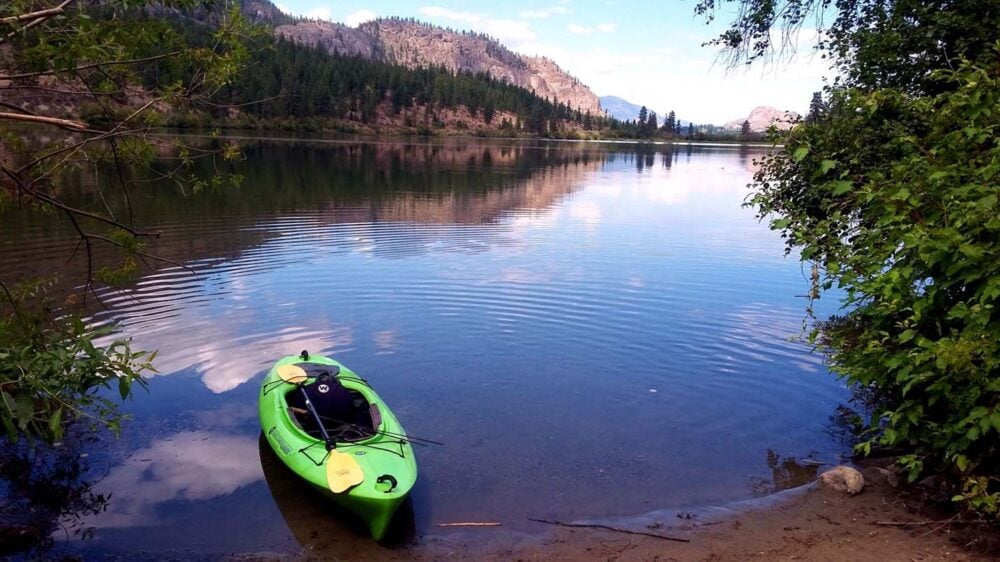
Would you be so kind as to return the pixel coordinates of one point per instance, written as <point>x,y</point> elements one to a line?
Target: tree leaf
<point>55,424</point>
<point>841,187</point>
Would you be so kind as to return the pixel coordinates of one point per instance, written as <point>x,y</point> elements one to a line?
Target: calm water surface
<point>592,329</point>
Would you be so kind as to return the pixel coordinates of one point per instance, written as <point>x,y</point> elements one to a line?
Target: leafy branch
<point>111,71</point>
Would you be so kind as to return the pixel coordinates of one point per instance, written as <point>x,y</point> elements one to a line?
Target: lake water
<point>592,329</point>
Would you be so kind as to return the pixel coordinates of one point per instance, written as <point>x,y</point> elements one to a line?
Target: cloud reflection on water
<point>186,466</point>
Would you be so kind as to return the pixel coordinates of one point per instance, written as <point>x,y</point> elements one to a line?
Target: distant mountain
<point>763,116</point>
<point>416,45</point>
<point>624,110</point>
<point>620,109</point>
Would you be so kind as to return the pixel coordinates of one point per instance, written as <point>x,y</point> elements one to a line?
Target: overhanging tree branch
<point>47,13</point>
<point>33,18</point>
<point>62,123</point>
<point>88,66</point>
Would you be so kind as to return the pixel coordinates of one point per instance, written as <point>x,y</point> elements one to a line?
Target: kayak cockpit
<point>346,414</point>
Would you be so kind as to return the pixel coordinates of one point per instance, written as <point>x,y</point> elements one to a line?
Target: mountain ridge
<point>620,108</point>
<point>415,44</point>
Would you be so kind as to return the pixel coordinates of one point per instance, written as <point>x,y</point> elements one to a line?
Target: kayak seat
<point>345,413</point>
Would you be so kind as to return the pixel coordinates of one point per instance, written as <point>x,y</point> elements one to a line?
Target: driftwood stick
<point>932,522</point>
<point>608,528</point>
<point>470,524</point>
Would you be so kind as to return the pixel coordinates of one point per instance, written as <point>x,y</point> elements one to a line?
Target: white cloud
<point>578,29</point>
<point>359,17</point>
<point>282,8</point>
<point>319,13</point>
<point>444,13</point>
<point>544,12</point>
<point>508,32</point>
<point>679,74</point>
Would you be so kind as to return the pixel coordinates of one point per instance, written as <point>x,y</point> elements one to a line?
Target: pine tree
<point>670,123</point>
<point>745,130</point>
<point>651,125</point>
<point>816,108</point>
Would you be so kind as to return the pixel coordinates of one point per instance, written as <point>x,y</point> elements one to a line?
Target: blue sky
<point>647,53</point>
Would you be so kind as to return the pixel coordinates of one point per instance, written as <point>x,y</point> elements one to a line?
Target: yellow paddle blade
<point>292,373</point>
<point>342,472</point>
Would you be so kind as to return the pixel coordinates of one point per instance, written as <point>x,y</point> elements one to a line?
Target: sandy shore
<point>806,524</point>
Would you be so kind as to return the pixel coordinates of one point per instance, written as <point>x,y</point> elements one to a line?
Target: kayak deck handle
<point>387,478</point>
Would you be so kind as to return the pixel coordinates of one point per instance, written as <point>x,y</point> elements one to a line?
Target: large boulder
<point>843,479</point>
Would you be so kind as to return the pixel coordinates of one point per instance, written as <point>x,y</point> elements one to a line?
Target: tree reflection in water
<point>45,490</point>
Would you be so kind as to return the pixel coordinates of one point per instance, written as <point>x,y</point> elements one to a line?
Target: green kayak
<point>328,425</point>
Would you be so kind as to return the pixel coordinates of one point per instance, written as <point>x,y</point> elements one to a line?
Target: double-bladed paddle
<point>342,471</point>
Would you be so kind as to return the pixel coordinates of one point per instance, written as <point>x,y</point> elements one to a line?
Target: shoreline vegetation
<point>361,131</point>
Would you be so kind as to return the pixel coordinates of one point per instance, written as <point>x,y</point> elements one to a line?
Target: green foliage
<point>121,64</point>
<point>895,197</point>
<point>53,371</point>
<point>873,43</point>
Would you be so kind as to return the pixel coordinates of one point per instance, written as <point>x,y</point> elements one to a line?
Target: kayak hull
<point>386,458</point>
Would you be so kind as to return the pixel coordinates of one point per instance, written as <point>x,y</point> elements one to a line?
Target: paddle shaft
<point>312,410</point>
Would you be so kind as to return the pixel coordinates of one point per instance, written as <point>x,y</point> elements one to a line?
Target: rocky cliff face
<point>763,116</point>
<point>263,11</point>
<point>415,44</point>
<point>334,38</point>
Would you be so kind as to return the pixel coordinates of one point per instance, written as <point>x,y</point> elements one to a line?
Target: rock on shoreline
<point>843,479</point>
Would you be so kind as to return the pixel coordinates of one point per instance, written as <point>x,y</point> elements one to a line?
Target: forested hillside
<point>416,44</point>
<point>289,85</point>
<point>296,81</point>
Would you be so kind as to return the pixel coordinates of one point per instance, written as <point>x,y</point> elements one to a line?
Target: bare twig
<point>101,135</point>
<point>66,92</point>
<point>39,14</point>
<point>121,180</point>
<point>16,108</point>
<point>33,18</point>
<point>239,105</point>
<point>80,212</point>
<point>90,257</point>
<point>608,528</point>
<point>153,257</point>
<point>10,298</point>
<point>89,66</point>
<point>931,522</point>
